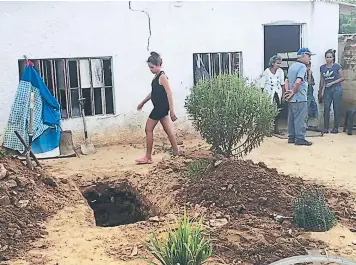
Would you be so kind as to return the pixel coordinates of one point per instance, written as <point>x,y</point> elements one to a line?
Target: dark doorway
<point>286,41</point>
<point>281,39</point>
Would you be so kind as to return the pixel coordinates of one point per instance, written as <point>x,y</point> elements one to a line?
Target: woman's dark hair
<point>332,52</point>
<point>155,59</point>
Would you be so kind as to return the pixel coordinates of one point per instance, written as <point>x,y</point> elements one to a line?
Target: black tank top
<point>159,94</point>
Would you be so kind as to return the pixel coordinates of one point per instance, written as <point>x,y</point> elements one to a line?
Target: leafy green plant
<point>347,22</point>
<point>185,245</point>
<point>197,168</point>
<point>231,114</point>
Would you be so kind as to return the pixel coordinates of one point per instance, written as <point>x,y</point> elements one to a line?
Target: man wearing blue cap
<point>297,98</point>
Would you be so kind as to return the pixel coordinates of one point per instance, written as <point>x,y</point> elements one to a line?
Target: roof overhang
<point>283,23</point>
<point>346,8</point>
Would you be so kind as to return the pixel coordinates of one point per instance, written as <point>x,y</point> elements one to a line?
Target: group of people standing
<point>298,90</point>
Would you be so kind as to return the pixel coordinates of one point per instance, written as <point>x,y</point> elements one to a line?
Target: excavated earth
<point>238,200</point>
<point>247,197</point>
<point>27,199</point>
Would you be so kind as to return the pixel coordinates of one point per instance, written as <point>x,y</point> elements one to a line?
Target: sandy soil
<point>73,238</point>
<point>331,160</point>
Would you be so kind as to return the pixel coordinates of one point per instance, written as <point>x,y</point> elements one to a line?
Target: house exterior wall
<point>93,29</point>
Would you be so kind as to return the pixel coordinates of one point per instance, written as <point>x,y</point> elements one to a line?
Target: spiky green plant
<point>197,168</point>
<point>185,245</point>
<point>311,212</point>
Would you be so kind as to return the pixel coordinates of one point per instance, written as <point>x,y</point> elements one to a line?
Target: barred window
<point>69,79</point>
<point>208,65</point>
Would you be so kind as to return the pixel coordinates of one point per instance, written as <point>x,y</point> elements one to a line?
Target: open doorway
<point>285,40</point>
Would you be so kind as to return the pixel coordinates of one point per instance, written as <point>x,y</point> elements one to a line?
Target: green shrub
<point>185,245</point>
<point>311,212</point>
<point>197,168</point>
<point>231,114</point>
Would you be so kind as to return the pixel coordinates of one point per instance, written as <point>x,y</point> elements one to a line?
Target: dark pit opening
<point>117,204</point>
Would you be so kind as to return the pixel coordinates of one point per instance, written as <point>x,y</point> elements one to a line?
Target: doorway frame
<point>303,43</point>
<point>303,33</point>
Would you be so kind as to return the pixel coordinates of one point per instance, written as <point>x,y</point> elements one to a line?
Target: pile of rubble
<point>249,209</point>
<point>27,198</point>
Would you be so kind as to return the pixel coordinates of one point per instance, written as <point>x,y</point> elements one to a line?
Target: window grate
<point>72,78</point>
<point>218,63</point>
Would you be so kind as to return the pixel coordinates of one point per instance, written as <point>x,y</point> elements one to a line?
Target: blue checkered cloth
<point>20,117</point>
<point>46,118</point>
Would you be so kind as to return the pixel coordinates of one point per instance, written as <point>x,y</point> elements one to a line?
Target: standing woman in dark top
<point>330,90</point>
<point>162,100</point>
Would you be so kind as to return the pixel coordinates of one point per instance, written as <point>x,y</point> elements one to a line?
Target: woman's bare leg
<point>167,127</point>
<point>150,125</point>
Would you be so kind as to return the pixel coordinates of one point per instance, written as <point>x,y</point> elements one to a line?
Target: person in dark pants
<point>330,90</point>
<point>297,98</point>
<point>312,105</point>
<point>162,100</point>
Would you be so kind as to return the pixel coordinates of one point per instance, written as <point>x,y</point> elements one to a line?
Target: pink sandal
<point>143,161</point>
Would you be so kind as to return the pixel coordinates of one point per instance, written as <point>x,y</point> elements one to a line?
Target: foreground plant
<point>185,245</point>
<point>231,114</point>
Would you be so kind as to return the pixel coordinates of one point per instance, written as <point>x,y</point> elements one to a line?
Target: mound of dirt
<point>239,186</point>
<point>27,198</point>
<point>240,201</point>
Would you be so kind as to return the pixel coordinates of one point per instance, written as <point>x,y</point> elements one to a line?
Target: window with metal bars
<point>213,64</point>
<point>73,78</point>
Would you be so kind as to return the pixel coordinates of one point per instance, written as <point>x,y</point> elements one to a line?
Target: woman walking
<point>330,90</point>
<point>272,83</point>
<point>162,100</point>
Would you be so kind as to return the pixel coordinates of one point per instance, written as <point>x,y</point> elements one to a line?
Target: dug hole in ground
<point>98,209</point>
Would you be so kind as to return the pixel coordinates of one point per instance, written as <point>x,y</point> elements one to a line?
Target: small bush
<point>197,168</point>
<point>231,114</point>
<point>185,245</point>
<point>311,212</point>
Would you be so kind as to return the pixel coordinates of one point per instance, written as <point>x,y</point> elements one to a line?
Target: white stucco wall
<point>91,29</point>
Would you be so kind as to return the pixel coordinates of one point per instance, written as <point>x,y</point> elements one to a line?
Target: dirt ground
<point>72,238</point>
